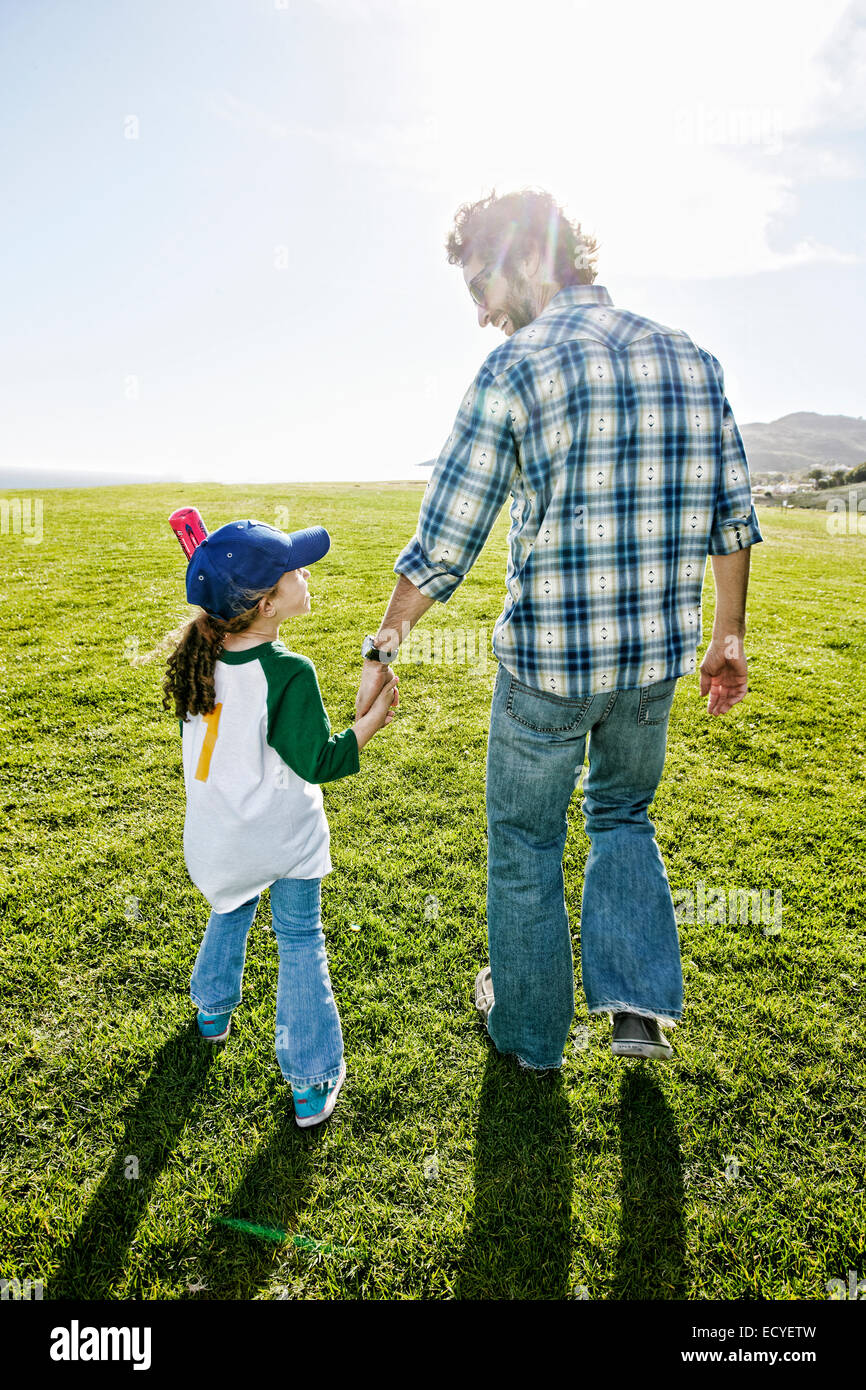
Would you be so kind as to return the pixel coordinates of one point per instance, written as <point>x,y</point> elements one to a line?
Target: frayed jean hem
<point>669,1017</point>
<point>530,1066</point>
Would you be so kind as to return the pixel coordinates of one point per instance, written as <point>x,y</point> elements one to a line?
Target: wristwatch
<point>370,652</point>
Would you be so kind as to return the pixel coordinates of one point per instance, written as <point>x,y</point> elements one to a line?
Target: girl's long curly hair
<point>189,676</point>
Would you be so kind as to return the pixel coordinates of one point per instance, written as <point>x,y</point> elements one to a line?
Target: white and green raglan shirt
<point>254,809</point>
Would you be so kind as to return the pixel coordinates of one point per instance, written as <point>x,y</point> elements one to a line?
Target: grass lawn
<point>734,1171</point>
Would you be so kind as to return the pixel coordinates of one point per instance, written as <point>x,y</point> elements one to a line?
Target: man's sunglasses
<point>478,285</point>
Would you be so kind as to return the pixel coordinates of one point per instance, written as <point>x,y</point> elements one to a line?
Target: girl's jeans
<point>309,1040</point>
<point>630,955</point>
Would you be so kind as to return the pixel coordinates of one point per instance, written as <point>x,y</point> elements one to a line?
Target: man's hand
<point>373,679</point>
<point>723,674</point>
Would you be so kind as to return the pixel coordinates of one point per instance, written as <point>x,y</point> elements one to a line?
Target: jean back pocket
<point>655,701</point>
<point>543,713</point>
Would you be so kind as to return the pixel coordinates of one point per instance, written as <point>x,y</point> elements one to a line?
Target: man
<point>614,437</point>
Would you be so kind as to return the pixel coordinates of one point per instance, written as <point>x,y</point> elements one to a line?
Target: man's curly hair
<point>504,231</point>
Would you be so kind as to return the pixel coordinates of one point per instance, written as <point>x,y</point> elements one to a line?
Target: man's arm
<point>406,605</point>
<point>735,529</point>
<point>724,673</point>
<point>731,578</point>
<point>469,483</point>
<point>464,496</point>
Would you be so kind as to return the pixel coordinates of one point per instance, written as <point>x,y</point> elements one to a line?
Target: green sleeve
<point>299,728</point>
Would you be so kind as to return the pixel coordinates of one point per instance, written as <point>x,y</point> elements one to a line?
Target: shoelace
<point>308,1100</point>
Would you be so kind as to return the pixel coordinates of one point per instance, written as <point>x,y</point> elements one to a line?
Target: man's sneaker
<point>636,1036</point>
<point>484,992</point>
<point>214,1027</point>
<point>316,1103</point>
<point>484,1003</point>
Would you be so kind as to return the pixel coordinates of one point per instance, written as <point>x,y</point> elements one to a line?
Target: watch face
<point>369,649</point>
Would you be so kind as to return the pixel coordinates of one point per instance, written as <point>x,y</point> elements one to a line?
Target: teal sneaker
<point>214,1027</point>
<point>316,1103</point>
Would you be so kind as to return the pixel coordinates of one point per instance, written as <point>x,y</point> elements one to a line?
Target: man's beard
<point>519,304</point>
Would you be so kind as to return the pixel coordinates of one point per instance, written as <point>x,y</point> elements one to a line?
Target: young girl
<point>256,745</point>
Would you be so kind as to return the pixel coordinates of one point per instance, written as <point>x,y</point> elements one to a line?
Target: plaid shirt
<point>614,437</point>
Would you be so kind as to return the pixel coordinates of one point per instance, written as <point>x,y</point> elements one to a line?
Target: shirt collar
<point>571,295</point>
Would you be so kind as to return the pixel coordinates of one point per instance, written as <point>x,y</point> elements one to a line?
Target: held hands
<point>385,702</point>
<point>724,676</point>
<point>376,701</point>
<point>374,678</point>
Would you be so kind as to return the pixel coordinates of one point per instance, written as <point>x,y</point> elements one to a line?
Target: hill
<point>804,440</point>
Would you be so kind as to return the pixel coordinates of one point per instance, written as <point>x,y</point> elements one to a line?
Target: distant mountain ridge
<point>804,440</point>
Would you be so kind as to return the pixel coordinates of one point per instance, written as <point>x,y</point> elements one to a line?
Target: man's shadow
<point>650,1259</point>
<point>518,1246</point>
<point>520,1241</point>
<point>94,1259</point>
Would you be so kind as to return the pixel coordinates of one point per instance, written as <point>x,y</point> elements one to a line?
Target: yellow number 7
<point>213,722</point>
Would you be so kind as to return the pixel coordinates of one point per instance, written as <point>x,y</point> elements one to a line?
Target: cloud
<point>681,149</point>
<point>841,63</point>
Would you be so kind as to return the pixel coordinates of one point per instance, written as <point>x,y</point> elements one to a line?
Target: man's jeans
<point>630,955</point>
<point>309,1040</point>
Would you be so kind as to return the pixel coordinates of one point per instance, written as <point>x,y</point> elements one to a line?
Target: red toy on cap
<point>187,525</point>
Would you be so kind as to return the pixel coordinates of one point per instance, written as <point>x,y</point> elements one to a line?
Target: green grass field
<point>734,1171</point>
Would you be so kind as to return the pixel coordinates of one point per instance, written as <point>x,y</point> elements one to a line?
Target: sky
<point>224,223</point>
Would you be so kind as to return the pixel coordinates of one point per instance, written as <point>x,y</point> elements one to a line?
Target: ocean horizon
<point>36,479</point>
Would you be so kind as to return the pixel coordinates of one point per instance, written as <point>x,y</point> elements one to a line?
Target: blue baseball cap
<point>247,555</point>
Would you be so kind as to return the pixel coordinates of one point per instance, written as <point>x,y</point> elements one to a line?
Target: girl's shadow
<point>239,1261</point>
<point>93,1260</point>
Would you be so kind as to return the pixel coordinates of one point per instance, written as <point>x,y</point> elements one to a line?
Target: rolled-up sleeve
<point>469,483</point>
<point>735,521</point>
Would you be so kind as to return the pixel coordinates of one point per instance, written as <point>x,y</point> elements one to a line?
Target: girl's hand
<point>373,678</point>
<point>386,702</point>
<point>380,711</point>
